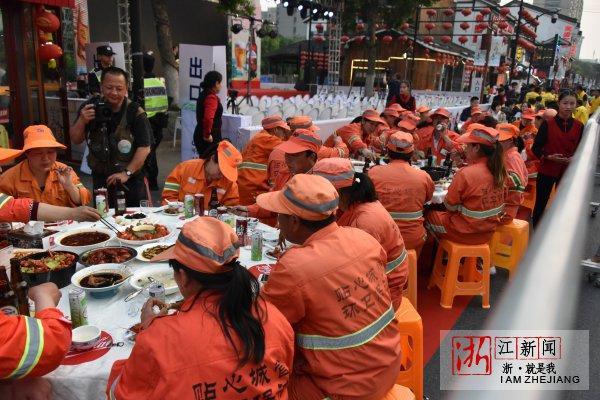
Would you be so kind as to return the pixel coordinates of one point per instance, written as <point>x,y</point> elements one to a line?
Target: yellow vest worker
<point>581,114</point>
<point>155,96</point>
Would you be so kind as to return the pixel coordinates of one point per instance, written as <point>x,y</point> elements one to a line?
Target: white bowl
<point>161,273</point>
<point>102,292</point>
<point>143,242</point>
<point>140,250</point>
<point>80,249</point>
<point>85,337</point>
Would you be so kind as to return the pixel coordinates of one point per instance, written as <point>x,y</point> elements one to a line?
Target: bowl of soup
<point>101,281</point>
<point>84,239</point>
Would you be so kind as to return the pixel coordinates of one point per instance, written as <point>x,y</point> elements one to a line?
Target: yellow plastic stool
<point>410,289</point>
<point>399,393</point>
<point>411,343</point>
<point>508,245</point>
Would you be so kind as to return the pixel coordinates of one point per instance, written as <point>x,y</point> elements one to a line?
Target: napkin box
<point>19,239</point>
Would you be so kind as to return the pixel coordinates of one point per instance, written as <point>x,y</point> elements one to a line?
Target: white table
<point>113,315</point>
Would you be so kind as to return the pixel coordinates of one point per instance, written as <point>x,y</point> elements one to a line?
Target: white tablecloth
<point>113,315</point>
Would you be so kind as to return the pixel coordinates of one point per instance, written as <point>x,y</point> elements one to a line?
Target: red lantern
<point>525,14</point>
<point>48,51</point>
<point>360,27</point>
<point>447,25</point>
<point>387,39</point>
<point>359,39</point>
<point>463,39</point>
<point>481,26</point>
<point>504,11</point>
<point>47,21</point>
<point>431,13</point>
<point>344,39</point>
<point>485,11</point>
<point>319,39</point>
<point>428,39</point>
<point>528,31</point>
<point>466,12</point>
<point>479,18</point>
<point>464,26</point>
<point>44,37</point>
<point>446,39</point>
<point>448,12</point>
<point>502,25</point>
<point>403,38</point>
<point>429,26</point>
<point>405,26</point>
<point>319,27</point>
<point>535,22</point>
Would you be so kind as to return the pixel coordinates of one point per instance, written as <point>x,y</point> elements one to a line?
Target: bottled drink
<point>448,164</point>
<point>157,291</point>
<point>213,204</point>
<point>8,299</point>
<point>257,246</point>
<point>101,205</point>
<point>19,286</point>
<point>188,206</point>
<point>78,307</point>
<point>241,229</point>
<point>121,204</point>
<point>199,204</point>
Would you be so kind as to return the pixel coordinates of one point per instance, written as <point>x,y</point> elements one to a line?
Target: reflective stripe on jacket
<point>155,97</point>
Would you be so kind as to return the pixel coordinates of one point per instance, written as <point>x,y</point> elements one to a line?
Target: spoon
<point>137,292</point>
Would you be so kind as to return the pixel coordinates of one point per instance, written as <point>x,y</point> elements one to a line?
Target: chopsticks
<point>109,226</point>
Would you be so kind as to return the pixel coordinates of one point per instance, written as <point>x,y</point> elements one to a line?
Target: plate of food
<point>108,255</point>
<point>173,208</point>
<point>163,274</point>
<point>48,266</point>
<point>274,254</point>
<point>84,239</point>
<point>137,235</point>
<point>134,219</point>
<point>148,251</point>
<point>101,280</point>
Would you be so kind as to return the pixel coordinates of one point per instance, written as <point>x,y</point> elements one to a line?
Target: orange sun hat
<point>338,171</point>
<point>373,116</point>
<point>302,122</point>
<point>392,112</point>
<point>8,154</point>
<point>423,109</point>
<point>204,245</point>
<point>507,131</point>
<point>38,136</point>
<point>229,160</point>
<point>274,121</point>
<point>528,114</point>
<point>301,140</point>
<point>309,197</point>
<point>397,107</point>
<point>479,134</point>
<point>401,142</point>
<point>443,112</point>
<point>407,124</point>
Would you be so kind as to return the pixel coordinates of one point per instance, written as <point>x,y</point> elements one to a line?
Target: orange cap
<point>302,122</point>
<point>410,116</point>
<point>229,159</point>
<point>301,140</point>
<point>407,125</point>
<point>309,197</point>
<point>8,154</point>
<point>397,107</point>
<point>204,245</point>
<point>274,121</point>
<point>401,142</point>
<point>528,114</point>
<point>476,110</point>
<point>338,171</point>
<point>391,112</point>
<point>423,108</point>
<point>373,116</point>
<point>442,112</point>
<point>479,134</point>
<point>507,131</point>
<point>36,136</point>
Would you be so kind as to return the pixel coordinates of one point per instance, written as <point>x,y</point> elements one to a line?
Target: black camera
<point>103,112</point>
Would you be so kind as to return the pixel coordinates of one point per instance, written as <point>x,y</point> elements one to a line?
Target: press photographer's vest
<point>111,152</point>
<point>155,97</point>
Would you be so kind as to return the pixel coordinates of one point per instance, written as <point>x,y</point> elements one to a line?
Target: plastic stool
<point>446,277</point>
<point>398,392</point>
<point>410,290</point>
<point>508,256</point>
<point>411,342</point>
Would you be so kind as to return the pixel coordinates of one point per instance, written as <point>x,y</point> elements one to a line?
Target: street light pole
<point>513,51</point>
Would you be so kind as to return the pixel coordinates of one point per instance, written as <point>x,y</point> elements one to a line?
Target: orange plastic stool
<point>399,393</point>
<point>473,283</point>
<point>410,290</point>
<point>508,245</point>
<point>411,342</point>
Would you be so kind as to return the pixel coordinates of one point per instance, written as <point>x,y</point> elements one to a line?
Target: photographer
<point>118,135</point>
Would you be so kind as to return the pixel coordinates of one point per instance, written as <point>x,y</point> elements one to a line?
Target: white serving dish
<point>141,250</point>
<point>143,242</point>
<point>80,249</point>
<point>140,280</point>
<point>96,269</point>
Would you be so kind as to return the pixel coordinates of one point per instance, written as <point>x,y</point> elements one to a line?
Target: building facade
<point>571,8</point>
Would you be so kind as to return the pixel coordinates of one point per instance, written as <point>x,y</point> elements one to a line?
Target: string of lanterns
<point>47,23</point>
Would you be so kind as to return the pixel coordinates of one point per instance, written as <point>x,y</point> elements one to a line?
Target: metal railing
<point>545,292</point>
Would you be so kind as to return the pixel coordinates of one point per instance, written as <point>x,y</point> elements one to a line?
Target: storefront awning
<point>54,3</point>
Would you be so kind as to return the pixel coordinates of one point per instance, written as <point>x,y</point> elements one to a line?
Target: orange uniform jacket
<point>376,221</point>
<point>19,182</point>
<point>334,292</point>
<point>474,206</point>
<point>275,165</point>
<point>187,356</point>
<point>336,150</point>
<point>517,181</point>
<point>427,144</point>
<point>14,210</point>
<point>352,135</point>
<point>31,347</point>
<point>403,191</point>
<point>252,172</point>
<point>188,178</point>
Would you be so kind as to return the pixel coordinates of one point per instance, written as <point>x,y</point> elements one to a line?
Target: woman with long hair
<point>475,199</point>
<point>209,112</point>
<point>516,169</point>
<point>361,209</point>
<point>406,99</point>
<point>223,339</point>
<point>554,145</point>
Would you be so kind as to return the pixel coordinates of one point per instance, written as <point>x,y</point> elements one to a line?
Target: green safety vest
<point>155,97</point>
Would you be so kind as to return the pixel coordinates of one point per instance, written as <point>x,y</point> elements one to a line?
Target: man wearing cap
<point>525,123</point>
<point>358,136</point>
<point>466,113</point>
<point>424,117</point>
<point>217,172</point>
<point>105,58</point>
<point>516,170</point>
<point>333,290</point>
<point>437,140</point>
<point>252,172</point>
<point>40,177</point>
<point>390,116</point>
<point>403,190</point>
<point>118,136</point>
<point>336,149</point>
<point>475,118</point>
<point>300,154</point>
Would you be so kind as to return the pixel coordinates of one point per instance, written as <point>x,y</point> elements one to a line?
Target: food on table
<point>55,261</point>
<point>112,255</point>
<point>100,279</point>
<point>166,278</point>
<point>25,253</point>
<point>144,232</point>
<point>276,253</point>
<point>154,251</point>
<point>84,239</point>
<point>171,210</point>
<point>137,215</point>
<point>137,328</point>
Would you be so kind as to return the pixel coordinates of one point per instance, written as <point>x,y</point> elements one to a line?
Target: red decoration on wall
<point>485,11</point>
<point>504,11</point>
<point>466,12</point>
<point>405,26</point>
<point>48,51</point>
<point>360,27</point>
<point>319,27</point>
<point>447,25</point>
<point>528,31</point>
<point>431,13</point>
<point>403,38</point>
<point>387,39</point>
<point>319,38</point>
<point>344,39</point>
<point>428,39</point>
<point>463,39</point>
<point>446,39</point>
<point>502,25</point>
<point>464,26</point>
<point>429,26</point>
<point>448,12</point>
<point>47,21</point>
<point>479,17</point>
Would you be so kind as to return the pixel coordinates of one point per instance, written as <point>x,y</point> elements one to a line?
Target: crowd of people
<point>322,325</point>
